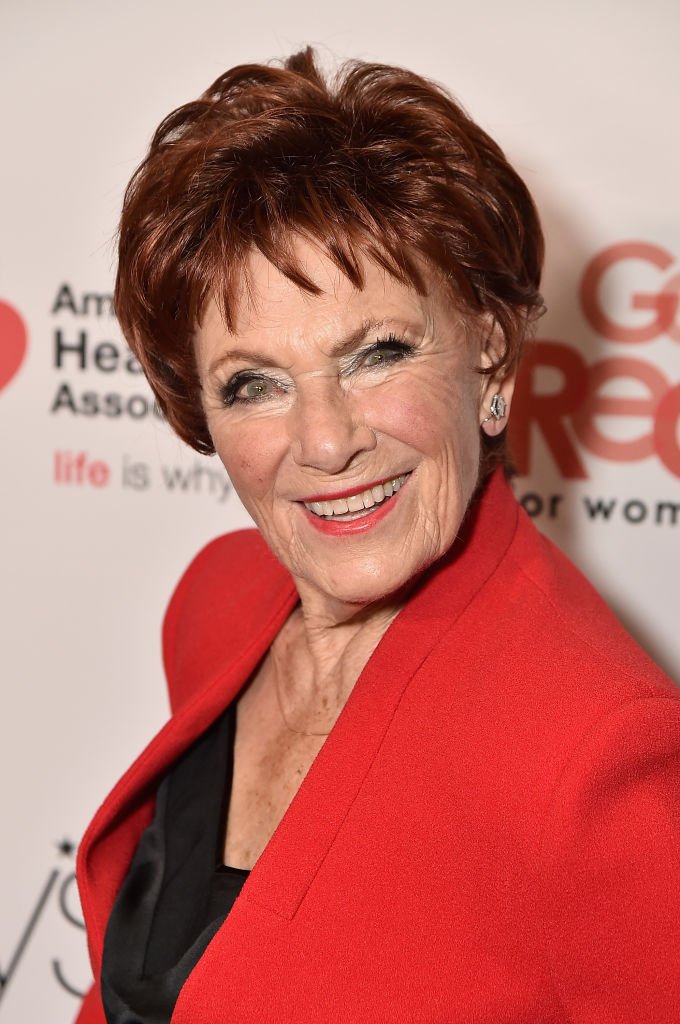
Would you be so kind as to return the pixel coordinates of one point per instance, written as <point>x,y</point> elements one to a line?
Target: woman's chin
<point>355,572</point>
<point>361,586</point>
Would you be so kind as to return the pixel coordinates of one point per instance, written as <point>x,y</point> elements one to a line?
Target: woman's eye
<point>376,358</point>
<point>247,389</point>
<point>385,352</point>
<point>254,389</point>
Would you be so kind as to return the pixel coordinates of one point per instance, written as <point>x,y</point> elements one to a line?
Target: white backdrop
<point>101,512</point>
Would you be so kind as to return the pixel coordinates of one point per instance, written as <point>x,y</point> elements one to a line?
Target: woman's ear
<point>496,391</point>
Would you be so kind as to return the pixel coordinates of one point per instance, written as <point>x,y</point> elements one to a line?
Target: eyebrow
<point>341,348</point>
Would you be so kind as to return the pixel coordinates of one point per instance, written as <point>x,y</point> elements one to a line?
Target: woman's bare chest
<point>268,770</point>
<point>283,721</point>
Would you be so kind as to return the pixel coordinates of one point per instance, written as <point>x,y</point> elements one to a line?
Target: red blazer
<point>491,832</point>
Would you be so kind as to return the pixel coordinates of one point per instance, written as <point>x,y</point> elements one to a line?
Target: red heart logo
<point>13,338</point>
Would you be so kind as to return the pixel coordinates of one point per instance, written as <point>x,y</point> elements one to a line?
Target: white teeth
<point>357,502</point>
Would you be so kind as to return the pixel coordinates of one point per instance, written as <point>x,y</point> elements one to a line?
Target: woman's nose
<point>328,430</point>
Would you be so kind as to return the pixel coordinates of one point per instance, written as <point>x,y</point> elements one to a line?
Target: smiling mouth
<point>355,506</point>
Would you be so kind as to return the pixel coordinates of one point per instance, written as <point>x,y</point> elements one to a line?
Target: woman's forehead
<point>266,301</point>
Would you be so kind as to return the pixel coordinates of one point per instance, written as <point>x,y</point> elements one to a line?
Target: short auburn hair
<point>375,161</point>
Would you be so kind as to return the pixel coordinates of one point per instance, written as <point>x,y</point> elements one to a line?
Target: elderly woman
<point>415,770</point>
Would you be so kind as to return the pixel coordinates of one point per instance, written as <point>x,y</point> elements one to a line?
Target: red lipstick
<point>348,527</point>
<point>357,489</point>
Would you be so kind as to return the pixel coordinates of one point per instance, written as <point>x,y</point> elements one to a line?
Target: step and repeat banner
<point>102,507</point>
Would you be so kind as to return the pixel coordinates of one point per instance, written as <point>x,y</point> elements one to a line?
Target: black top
<point>177,892</point>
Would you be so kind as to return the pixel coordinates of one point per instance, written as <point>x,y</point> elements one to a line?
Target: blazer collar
<point>286,868</point>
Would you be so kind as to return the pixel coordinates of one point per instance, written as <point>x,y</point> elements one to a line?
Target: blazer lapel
<point>111,839</point>
<point>282,876</point>
<point>286,869</point>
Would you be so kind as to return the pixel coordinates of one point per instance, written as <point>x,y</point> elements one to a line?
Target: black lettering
<point>112,405</point>
<point>61,348</point>
<point>106,357</point>
<point>137,406</point>
<point>64,399</point>
<point>176,478</point>
<point>555,499</point>
<point>532,504</point>
<point>65,300</point>
<point>6,975</point>
<point>89,403</point>
<point>102,304</point>
<point>133,365</point>
<point>641,513</point>
<point>599,509</point>
<point>65,888</point>
<point>135,475</point>
<point>673,508</point>
<point>71,989</point>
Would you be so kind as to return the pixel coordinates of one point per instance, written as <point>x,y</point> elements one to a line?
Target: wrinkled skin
<point>314,419</point>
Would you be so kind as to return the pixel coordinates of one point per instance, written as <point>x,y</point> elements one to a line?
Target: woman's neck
<point>316,660</point>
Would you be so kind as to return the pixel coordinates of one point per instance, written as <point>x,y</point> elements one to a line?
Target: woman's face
<point>348,423</point>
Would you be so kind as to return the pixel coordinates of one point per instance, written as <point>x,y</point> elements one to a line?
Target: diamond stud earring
<point>496,409</point>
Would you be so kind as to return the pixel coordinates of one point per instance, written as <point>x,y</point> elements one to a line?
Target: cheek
<point>429,426</point>
<point>406,419</point>
<point>250,459</point>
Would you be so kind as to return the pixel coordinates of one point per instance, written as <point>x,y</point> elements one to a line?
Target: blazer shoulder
<point>609,866</point>
<point>218,602</point>
<point>580,627</point>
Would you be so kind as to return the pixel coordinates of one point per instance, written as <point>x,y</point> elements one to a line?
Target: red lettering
<point>548,411</point>
<point>596,404</point>
<point>672,288</point>
<point>76,468</point>
<point>571,415</point>
<point>663,304</point>
<point>666,439</point>
<point>576,415</point>
<point>98,474</point>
